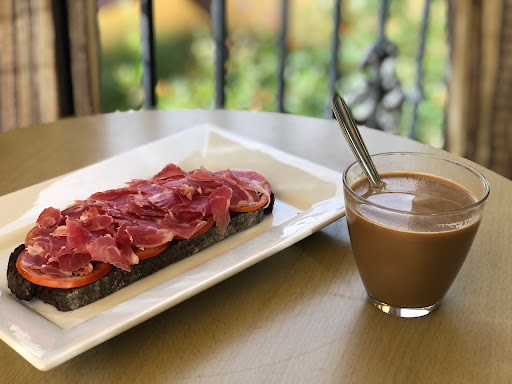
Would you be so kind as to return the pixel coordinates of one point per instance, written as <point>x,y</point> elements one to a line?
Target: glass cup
<point>407,260</point>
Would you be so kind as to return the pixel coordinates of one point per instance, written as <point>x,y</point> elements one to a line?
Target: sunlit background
<point>185,56</point>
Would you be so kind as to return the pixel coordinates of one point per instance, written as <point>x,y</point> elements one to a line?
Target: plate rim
<point>69,342</point>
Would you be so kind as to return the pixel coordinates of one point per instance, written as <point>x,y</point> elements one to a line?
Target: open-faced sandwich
<point>97,246</point>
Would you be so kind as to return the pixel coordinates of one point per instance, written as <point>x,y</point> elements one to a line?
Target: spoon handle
<point>354,139</point>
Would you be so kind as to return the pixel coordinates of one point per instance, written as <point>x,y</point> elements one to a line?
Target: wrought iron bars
<point>378,104</point>
<point>283,49</point>
<point>333,65</point>
<point>148,53</point>
<point>218,16</point>
<point>63,57</point>
<point>417,95</point>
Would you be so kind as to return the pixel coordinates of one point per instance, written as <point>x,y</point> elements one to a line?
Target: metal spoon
<point>354,140</point>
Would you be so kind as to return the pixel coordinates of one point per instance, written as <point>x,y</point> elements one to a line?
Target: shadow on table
<point>432,349</point>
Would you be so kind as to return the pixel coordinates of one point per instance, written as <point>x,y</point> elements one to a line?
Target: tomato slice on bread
<point>253,207</point>
<point>40,278</point>
<point>146,253</point>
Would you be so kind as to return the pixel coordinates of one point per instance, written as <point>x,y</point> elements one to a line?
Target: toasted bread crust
<point>68,299</point>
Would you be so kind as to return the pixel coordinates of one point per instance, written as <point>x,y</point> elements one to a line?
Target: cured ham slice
<point>198,204</point>
<point>144,234</point>
<point>96,223</point>
<point>219,202</point>
<point>140,182</point>
<point>53,269</point>
<point>47,246</point>
<point>141,206</point>
<point>112,194</point>
<point>240,195</point>
<point>247,187</point>
<point>252,180</point>
<point>183,227</point>
<point>73,212</point>
<point>165,200</point>
<point>113,210</point>
<point>56,269</point>
<point>75,262</point>
<point>48,218</point>
<point>106,249</point>
<point>170,171</point>
<point>37,232</point>
<point>109,225</point>
<point>34,261</point>
<point>183,188</point>
<point>77,236</point>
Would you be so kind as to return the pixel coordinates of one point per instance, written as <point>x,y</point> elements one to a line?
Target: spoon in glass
<point>355,141</point>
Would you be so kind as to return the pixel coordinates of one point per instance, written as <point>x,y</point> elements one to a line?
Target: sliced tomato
<point>146,253</point>
<point>30,236</point>
<point>37,277</point>
<point>250,208</point>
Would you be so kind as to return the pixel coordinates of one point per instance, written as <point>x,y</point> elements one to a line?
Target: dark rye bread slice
<point>68,299</point>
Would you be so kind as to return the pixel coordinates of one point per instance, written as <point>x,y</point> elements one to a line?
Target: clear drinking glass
<point>407,260</point>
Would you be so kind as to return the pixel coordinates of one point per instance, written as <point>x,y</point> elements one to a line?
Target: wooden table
<point>300,316</point>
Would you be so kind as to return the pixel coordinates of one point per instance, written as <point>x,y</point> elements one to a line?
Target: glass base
<point>403,312</point>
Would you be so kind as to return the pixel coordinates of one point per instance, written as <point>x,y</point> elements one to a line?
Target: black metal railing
<point>417,95</point>
<point>283,50</point>
<point>218,16</point>
<point>333,64</point>
<point>147,42</point>
<point>382,89</point>
<point>63,57</point>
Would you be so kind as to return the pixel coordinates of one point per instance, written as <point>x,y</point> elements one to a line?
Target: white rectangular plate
<point>308,197</point>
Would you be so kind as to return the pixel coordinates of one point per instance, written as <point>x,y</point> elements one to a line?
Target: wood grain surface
<point>300,316</point>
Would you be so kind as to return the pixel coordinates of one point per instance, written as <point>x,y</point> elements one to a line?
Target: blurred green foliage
<point>185,65</point>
